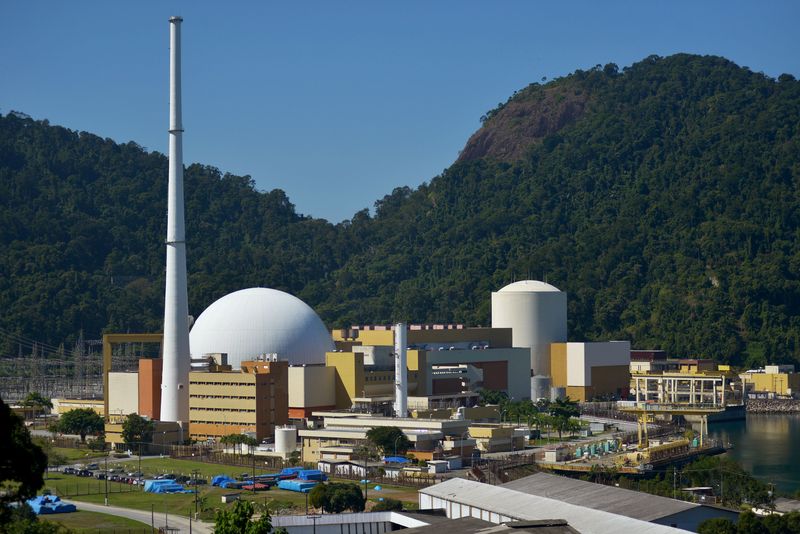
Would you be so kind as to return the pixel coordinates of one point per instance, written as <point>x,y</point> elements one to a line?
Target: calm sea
<point>768,446</point>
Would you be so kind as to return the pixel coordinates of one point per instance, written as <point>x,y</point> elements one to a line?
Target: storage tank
<point>540,387</point>
<point>537,314</point>
<point>285,439</point>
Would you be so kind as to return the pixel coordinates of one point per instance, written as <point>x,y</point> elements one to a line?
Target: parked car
<point>92,466</point>
<point>198,481</point>
<point>100,475</point>
<point>69,471</point>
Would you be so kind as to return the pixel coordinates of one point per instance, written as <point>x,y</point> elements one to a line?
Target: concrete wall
<point>150,388</point>
<point>123,394</point>
<point>312,386</point>
<point>349,382</point>
<point>515,363</point>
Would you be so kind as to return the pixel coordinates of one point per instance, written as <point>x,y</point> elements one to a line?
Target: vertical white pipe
<point>177,359</point>
<point>400,370</point>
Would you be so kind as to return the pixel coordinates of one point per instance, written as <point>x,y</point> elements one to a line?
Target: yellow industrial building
<point>777,380</point>
<point>254,400</point>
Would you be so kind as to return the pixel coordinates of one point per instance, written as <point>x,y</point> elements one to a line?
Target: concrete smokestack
<point>400,370</point>
<point>177,358</point>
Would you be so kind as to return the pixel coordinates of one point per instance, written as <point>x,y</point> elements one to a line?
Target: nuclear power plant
<point>258,359</point>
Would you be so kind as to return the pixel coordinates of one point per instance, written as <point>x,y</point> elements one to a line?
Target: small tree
<point>37,401</point>
<point>562,410</point>
<point>136,428</point>
<point>239,520</point>
<point>389,439</point>
<point>81,421</point>
<point>337,497</point>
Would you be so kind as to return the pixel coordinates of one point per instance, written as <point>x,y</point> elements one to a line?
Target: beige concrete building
<point>61,406</point>
<point>342,434</point>
<point>444,362</point>
<point>497,438</point>
<point>123,395</point>
<point>589,370</point>
<point>165,433</point>
<point>311,388</point>
<point>254,400</point>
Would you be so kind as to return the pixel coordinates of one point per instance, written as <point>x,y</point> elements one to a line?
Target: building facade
<point>252,401</point>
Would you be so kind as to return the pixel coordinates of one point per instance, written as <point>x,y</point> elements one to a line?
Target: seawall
<point>773,406</point>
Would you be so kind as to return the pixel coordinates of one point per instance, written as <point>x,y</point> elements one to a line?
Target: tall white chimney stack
<point>177,358</point>
<point>400,370</point>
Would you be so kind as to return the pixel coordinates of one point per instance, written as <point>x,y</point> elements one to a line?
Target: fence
<point>422,481</point>
<point>90,487</point>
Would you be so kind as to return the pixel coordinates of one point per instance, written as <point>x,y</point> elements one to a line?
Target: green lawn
<point>82,521</point>
<point>78,455</point>
<point>183,504</point>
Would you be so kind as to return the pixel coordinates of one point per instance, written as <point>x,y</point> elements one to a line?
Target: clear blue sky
<point>337,103</point>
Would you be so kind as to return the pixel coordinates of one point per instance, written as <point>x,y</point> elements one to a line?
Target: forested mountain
<point>663,198</point>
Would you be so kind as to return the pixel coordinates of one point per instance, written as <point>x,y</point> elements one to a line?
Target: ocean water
<point>767,445</point>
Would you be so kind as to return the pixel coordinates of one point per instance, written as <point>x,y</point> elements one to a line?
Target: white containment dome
<point>537,314</point>
<point>259,320</point>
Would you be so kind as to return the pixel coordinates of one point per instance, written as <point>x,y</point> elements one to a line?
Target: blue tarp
<point>296,485</point>
<point>164,486</point>
<point>50,504</point>
<point>311,474</point>
<point>220,479</point>
<point>289,471</point>
<point>395,460</point>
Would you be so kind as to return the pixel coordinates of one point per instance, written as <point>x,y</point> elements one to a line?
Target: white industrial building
<point>467,498</point>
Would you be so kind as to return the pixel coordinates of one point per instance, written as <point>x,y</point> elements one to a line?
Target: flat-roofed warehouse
<point>467,498</point>
<point>621,501</point>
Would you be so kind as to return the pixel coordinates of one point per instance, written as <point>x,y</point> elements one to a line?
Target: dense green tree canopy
<point>81,421</point>
<point>336,497</point>
<point>389,439</point>
<point>22,462</point>
<point>137,429</point>
<point>663,197</point>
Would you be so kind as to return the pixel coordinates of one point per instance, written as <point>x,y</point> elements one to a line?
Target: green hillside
<point>663,198</point>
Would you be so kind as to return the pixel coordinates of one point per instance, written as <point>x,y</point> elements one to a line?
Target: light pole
<point>395,442</point>
<point>106,477</point>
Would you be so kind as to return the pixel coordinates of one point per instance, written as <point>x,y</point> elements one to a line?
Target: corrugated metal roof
<point>598,497</point>
<point>522,506</point>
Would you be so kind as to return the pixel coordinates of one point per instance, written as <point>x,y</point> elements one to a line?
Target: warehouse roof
<point>517,505</point>
<point>599,497</point>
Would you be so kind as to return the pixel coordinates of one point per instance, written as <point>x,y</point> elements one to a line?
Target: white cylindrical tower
<point>176,354</point>
<point>537,314</point>
<point>400,370</point>
<point>285,439</point>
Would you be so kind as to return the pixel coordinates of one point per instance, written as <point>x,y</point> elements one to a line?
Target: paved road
<point>179,522</point>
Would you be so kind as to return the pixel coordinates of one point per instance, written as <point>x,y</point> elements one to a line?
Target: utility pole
<point>195,474</point>
<point>153,517</point>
